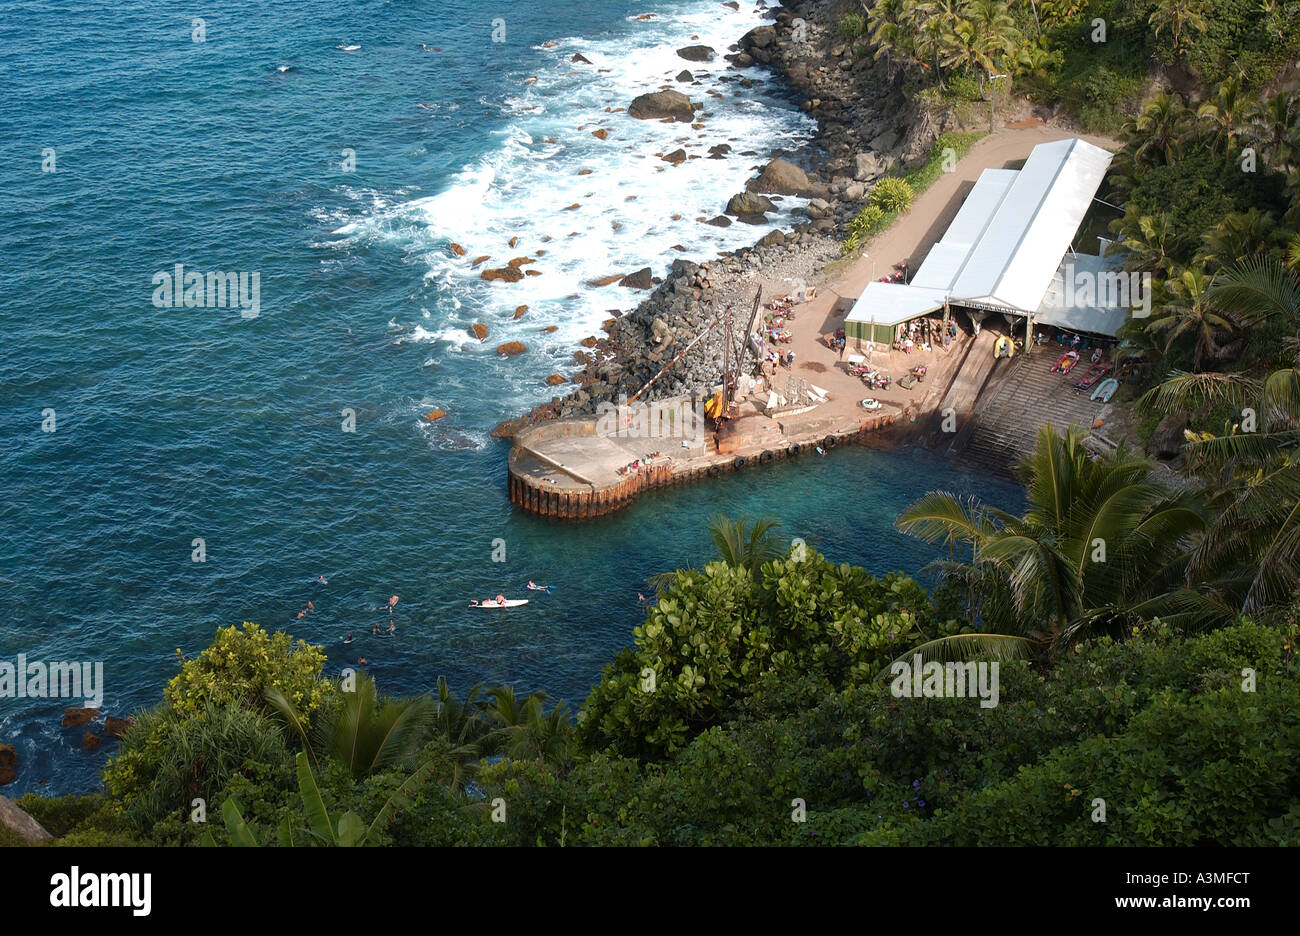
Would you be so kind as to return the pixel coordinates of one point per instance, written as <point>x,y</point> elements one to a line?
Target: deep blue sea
<point>184,423</point>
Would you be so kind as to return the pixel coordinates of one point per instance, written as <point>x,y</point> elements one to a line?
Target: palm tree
<point>364,733</point>
<point>1102,546</point>
<point>1189,313</point>
<point>1162,129</point>
<point>1153,245</point>
<point>1273,127</point>
<point>525,731</point>
<point>1226,113</point>
<point>1240,236</point>
<point>1179,18</point>
<point>1255,477</point>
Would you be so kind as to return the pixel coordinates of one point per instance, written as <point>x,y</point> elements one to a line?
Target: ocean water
<point>177,424</point>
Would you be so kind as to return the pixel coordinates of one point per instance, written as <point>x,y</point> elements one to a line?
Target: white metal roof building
<point>1003,249</point>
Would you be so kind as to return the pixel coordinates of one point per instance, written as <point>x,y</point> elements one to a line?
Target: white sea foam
<point>625,206</point>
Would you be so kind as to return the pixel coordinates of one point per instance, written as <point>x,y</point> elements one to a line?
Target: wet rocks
<point>432,416</point>
<point>676,157</point>
<point>479,330</point>
<point>697,53</point>
<point>719,221</point>
<point>749,207</point>
<point>116,727</point>
<point>511,348</point>
<point>519,311</point>
<point>685,75</point>
<point>91,741</point>
<point>662,104</point>
<point>601,134</point>
<point>641,279</point>
<point>482,259</point>
<point>580,59</point>
<point>605,280</point>
<point>507,274</point>
<point>719,151</point>
<point>780,177</point>
<point>76,717</point>
<point>8,764</point>
<point>456,249</point>
<point>556,380</point>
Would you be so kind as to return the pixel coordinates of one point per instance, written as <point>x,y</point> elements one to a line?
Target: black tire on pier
<point>714,471</point>
<point>828,442</point>
<point>765,457</point>
<point>794,450</point>
<point>739,463</point>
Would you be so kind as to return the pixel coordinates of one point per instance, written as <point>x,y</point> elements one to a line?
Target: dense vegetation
<point>754,707</point>
<point>1094,58</point>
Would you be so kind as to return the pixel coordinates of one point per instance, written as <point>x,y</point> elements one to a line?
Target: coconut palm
<point>1151,243</point>
<point>363,732</point>
<point>1273,127</point>
<point>1240,236</point>
<point>1180,18</point>
<point>1102,546</point>
<point>1254,472</point>
<point>524,730</point>
<point>1161,130</point>
<point>1226,113</point>
<point>1189,313</point>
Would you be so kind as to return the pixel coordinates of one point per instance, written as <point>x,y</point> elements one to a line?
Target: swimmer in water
<point>362,661</point>
<point>348,639</point>
<point>320,580</point>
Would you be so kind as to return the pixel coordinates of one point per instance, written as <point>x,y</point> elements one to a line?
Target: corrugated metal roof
<point>1006,242</point>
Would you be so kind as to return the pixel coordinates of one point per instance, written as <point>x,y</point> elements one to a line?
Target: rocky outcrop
<point>457,250</point>
<point>662,104</point>
<point>719,151</point>
<point>697,53</point>
<point>555,380</point>
<point>780,177</point>
<point>749,207</point>
<point>519,311</point>
<point>641,279</point>
<point>8,764</point>
<point>506,274</point>
<point>685,75</point>
<point>719,221</point>
<point>601,134</point>
<point>511,348</point>
<point>76,717</point>
<point>676,157</point>
<point>21,824</point>
<point>116,727</point>
<point>435,415</point>
<point>479,330</point>
<point>580,59</point>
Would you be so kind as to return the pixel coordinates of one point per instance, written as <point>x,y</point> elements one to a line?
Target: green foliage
<point>892,194</point>
<point>166,760</point>
<point>240,665</point>
<point>853,26</point>
<point>723,635</point>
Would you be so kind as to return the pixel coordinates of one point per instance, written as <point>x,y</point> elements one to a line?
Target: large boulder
<point>760,37</point>
<point>511,348</point>
<point>21,824</point>
<point>641,279</point>
<point>697,53</point>
<point>509,274</point>
<point>1167,440</point>
<point>781,178</point>
<point>868,166</point>
<point>660,104</point>
<point>749,207</point>
<point>76,717</point>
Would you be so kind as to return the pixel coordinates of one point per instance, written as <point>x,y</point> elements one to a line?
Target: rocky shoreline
<point>864,127</point>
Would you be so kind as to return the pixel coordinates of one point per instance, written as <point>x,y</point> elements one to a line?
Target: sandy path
<point>909,237</point>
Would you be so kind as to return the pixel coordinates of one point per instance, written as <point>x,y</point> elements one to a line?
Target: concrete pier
<point>568,469</point>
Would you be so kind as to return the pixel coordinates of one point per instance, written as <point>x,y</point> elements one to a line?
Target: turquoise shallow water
<point>179,423</point>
